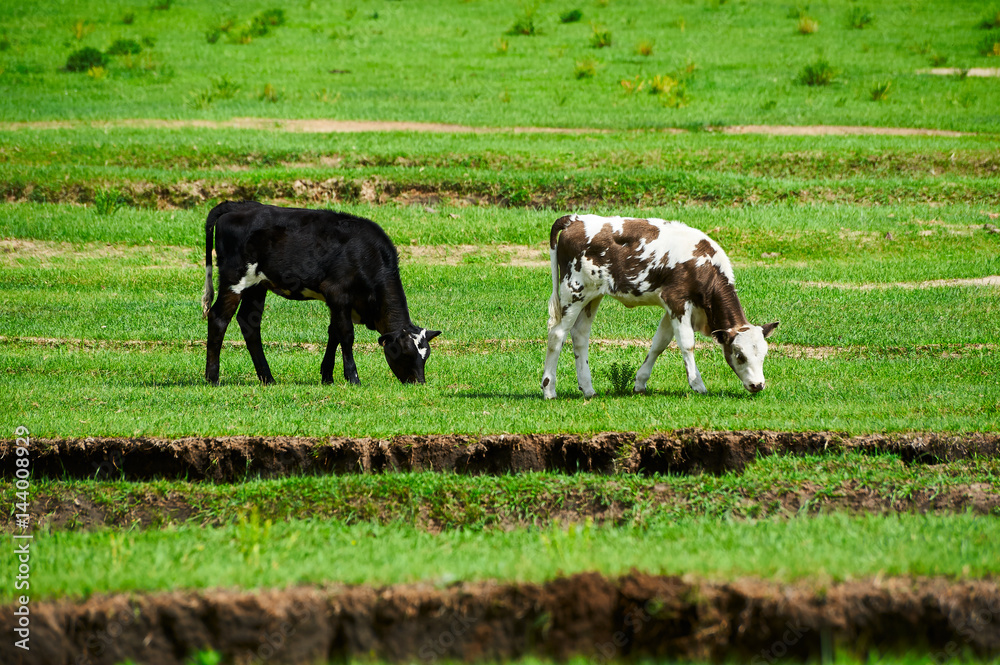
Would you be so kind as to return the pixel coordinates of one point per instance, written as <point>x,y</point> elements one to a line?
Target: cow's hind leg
<point>219,317</point>
<point>661,339</point>
<point>581,344</point>
<point>249,316</point>
<point>557,335</point>
<point>684,333</point>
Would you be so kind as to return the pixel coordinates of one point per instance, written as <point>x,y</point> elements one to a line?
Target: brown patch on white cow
<point>703,248</point>
<point>620,252</point>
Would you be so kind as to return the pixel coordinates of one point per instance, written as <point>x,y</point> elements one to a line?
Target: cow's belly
<point>646,299</point>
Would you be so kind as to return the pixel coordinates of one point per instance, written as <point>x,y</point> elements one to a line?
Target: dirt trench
<point>686,451</point>
<point>606,619</point>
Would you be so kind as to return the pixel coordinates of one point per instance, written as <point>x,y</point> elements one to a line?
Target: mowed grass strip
<point>257,553</point>
<point>162,392</point>
<point>780,486</point>
<point>128,151</point>
<point>183,168</point>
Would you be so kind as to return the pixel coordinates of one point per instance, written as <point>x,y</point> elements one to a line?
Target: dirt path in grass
<point>233,459</point>
<point>634,617</point>
<point>325,126</point>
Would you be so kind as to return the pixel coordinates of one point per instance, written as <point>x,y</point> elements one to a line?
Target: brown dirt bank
<point>232,459</point>
<point>566,194</point>
<point>606,619</point>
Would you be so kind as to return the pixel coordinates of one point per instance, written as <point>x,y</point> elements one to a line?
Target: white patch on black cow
<point>420,341</point>
<point>251,278</point>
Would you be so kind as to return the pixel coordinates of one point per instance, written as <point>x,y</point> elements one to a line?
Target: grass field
<point>879,254</point>
<point>469,62</point>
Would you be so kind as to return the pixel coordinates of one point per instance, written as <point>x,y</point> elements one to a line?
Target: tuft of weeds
<point>585,69</point>
<point>859,18</point>
<point>525,23</point>
<point>271,17</point>
<point>82,28</point>
<point>223,88</point>
<point>107,201</point>
<point>161,5</point>
<point>621,376</point>
<point>817,73</point>
<point>571,16</point>
<point>124,47</point>
<point>880,91</point>
<point>128,18</point>
<point>991,20</point>
<point>97,73</point>
<point>85,59</point>
<point>938,60</point>
<point>501,46</point>
<point>644,48</point>
<point>633,85</point>
<point>600,37</point>
<point>807,25</point>
<point>990,45</point>
<point>269,94</point>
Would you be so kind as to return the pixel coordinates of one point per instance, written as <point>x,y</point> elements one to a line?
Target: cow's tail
<point>213,215</point>
<point>555,307</point>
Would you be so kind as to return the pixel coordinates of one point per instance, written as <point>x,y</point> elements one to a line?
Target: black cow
<point>347,262</point>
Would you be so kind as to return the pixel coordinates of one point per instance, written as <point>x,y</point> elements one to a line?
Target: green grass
<point>439,62</point>
<point>255,553</point>
<point>136,303</point>
<point>72,391</point>
<point>445,501</point>
<point>151,168</point>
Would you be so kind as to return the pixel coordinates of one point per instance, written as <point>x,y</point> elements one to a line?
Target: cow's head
<point>745,348</point>
<point>407,352</point>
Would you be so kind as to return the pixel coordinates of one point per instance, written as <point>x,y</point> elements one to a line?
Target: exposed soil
<point>637,616</point>
<point>326,126</point>
<point>82,509</point>
<point>834,130</point>
<point>992,280</point>
<point>233,459</point>
<point>984,72</point>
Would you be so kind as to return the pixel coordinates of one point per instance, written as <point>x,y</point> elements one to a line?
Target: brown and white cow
<point>648,262</point>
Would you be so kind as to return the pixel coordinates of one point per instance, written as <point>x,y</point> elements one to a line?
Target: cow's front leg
<point>330,357</point>
<point>581,344</point>
<point>249,316</point>
<point>661,340</point>
<point>343,327</point>
<point>684,334</point>
<point>219,317</point>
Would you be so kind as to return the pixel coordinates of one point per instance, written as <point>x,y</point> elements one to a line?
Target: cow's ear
<point>722,336</point>
<point>769,328</point>
<point>383,339</point>
<point>431,334</point>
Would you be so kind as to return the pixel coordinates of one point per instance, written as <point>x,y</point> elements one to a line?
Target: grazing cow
<point>345,261</point>
<point>648,262</point>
